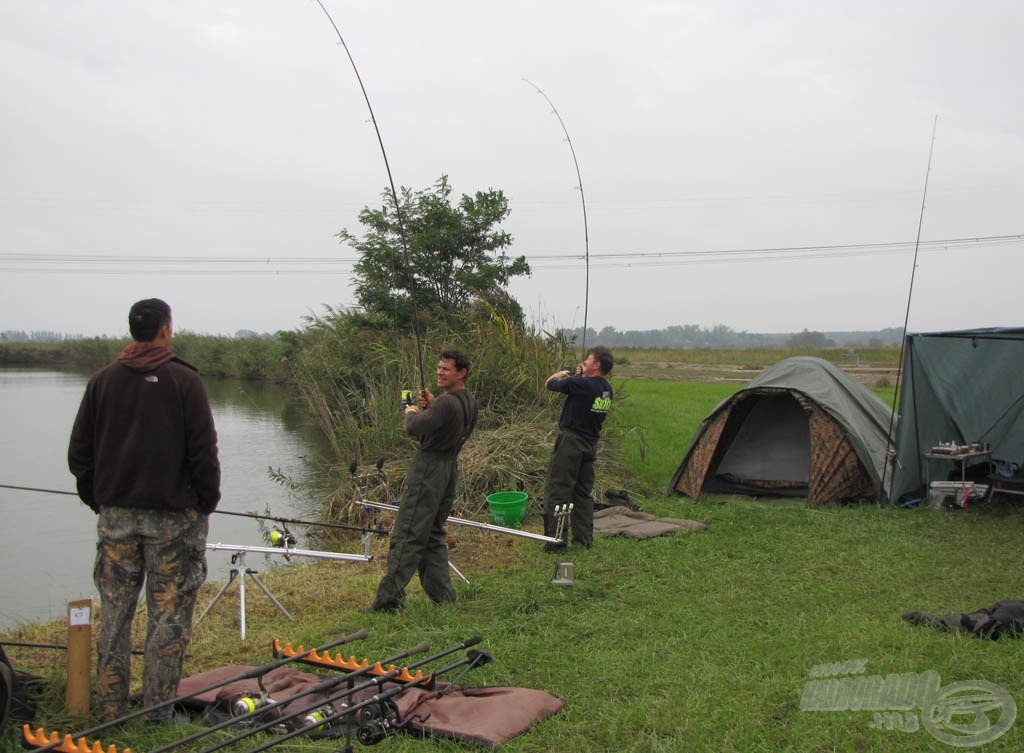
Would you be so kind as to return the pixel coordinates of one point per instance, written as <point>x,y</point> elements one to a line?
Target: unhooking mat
<point>621,521</point>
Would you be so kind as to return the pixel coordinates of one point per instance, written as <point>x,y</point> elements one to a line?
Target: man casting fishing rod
<point>443,425</point>
<point>570,478</point>
<point>144,452</point>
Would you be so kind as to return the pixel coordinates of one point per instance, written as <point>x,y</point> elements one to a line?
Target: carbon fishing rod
<point>296,521</point>
<point>394,196</point>
<point>248,675</point>
<point>889,445</point>
<point>55,647</point>
<point>472,660</point>
<point>272,705</point>
<point>339,696</point>
<point>583,202</point>
<point>293,521</point>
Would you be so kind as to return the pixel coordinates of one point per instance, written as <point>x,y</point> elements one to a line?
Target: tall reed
<point>350,368</point>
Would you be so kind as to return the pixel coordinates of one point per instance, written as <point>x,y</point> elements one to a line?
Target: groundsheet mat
<point>621,521</point>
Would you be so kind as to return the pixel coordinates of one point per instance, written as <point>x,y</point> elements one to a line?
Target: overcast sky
<point>759,165</point>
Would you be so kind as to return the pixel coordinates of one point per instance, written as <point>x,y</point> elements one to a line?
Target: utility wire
<point>92,263</point>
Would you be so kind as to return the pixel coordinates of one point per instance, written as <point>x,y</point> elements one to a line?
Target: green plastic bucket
<point>507,508</point>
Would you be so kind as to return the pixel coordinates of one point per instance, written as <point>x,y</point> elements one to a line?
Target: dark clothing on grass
<point>418,538</point>
<point>1002,618</point>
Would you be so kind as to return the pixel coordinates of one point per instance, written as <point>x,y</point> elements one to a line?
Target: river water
<point>50,539</point>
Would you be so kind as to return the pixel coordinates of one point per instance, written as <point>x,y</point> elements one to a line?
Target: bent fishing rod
<point>293,521</point>
<point>583,202</point>
<point>253,673</point>
<point>394,197</point>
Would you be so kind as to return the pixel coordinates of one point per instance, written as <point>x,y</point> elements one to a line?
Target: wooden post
<point>79,658</point>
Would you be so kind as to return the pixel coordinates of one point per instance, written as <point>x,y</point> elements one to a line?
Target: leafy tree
<point>452,258</point>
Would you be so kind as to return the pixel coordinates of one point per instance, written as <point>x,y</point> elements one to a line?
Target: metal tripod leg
<point>239,571</point>
<point>456,571</point>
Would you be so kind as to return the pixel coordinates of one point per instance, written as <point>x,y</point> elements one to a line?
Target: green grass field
<point>690,642</point>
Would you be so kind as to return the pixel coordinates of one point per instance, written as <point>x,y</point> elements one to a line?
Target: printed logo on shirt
<point>602,404</point>
<point>151,378</point>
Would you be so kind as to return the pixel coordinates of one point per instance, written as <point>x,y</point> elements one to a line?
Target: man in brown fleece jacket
<point>143,450</point>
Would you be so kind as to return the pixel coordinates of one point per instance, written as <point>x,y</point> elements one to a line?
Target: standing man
<point>144,452</point>
<point>571,470</point>
<point>418,539</point>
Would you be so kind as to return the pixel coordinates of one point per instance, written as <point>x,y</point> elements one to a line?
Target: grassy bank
<point>695,641</point>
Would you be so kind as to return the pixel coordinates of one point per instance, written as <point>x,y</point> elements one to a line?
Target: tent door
<point>772,444</point>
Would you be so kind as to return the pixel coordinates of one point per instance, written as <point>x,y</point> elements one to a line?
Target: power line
<point>100,263</point>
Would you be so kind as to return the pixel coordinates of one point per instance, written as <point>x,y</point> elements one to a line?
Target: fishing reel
<point>251,709</point>
<point>376,722</point>
<point>282,537</point>
<point>407,399</point>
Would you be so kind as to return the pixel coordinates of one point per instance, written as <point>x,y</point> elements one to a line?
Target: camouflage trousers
<point>167,550</point>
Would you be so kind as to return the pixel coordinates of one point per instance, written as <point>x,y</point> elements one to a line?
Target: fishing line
<point>255,516</point>
<point>586,232</point>
<point>906,317</point>
<point>394,196</point>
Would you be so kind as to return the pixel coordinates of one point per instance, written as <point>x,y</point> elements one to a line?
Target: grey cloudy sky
<point>207,153</point>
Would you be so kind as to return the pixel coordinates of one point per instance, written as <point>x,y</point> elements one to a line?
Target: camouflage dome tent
<point>802,428</point>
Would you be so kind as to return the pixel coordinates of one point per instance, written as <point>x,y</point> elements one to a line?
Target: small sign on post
<point>79,658</point>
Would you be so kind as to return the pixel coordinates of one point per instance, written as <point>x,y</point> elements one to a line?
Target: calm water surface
<point>50,539</point>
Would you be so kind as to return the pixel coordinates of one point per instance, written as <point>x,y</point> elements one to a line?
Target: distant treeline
<point>248,355</point>
<point>721,337</point>
<point>265,357</point>
<point>48,336</point>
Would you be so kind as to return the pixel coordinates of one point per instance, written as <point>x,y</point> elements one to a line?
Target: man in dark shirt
<point>143,450</point>
<point>570,477</point>
<point>418,543</point>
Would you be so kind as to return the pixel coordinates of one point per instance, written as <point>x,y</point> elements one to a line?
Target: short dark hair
<point>604,357</point>
<point>460,358</point>
<point>146,318</point>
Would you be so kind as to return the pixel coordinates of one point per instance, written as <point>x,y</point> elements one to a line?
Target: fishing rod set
<point>357,703</point>
<point>279,537</point>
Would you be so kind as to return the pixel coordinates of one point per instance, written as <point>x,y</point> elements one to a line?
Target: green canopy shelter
<point>964,387</point>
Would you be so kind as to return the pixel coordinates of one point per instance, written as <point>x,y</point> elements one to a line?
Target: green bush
<point>351,367</point>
